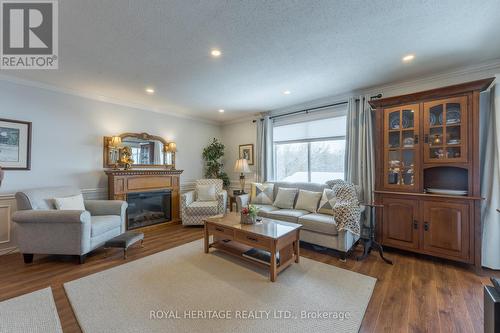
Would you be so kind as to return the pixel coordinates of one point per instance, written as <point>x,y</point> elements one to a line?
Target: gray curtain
<point>264,160</point>
<point>359,155</point>
<point>490,177</point>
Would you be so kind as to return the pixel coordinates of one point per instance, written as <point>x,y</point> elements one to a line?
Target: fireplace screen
<point>148,208</point>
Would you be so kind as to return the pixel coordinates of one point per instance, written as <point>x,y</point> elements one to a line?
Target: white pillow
<point>285,198</point>
<point>308,200</point>
<point>70,203</point>
<point>206,192</point>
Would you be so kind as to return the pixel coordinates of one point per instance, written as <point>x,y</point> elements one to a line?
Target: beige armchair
<point>41,229</point>
<point>193,211</point>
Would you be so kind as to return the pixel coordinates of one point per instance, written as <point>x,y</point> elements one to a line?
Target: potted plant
<point>249,215</point>
<point>212,154</point>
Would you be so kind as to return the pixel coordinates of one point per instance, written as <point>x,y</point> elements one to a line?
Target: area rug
<point>34,312</point>
<point>186,290</point>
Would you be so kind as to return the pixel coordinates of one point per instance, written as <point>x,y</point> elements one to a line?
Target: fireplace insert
<point>148,208</point>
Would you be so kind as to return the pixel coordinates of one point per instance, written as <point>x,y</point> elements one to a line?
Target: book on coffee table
<point>261,256</point>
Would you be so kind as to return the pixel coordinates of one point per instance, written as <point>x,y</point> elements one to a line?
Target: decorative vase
<point>247,219</point>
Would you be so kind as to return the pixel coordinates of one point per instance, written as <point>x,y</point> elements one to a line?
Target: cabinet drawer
<point>253,240</point>
<point>220,231</point>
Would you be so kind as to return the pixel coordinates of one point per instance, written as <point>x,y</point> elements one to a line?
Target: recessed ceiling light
<point>221,110</point>
<point>408,58</point>
<point>215,53</point>
<point>150,91</point>
<point>286,92</point>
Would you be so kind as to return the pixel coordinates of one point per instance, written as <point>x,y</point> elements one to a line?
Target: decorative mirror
<point>138,150</point>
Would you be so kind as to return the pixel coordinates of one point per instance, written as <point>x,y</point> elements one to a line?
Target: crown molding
<point>450,77</point>
<point>238,120</point>
<point>102,98</point>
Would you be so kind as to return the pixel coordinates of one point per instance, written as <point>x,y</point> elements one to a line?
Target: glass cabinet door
<point>401,147</point>
<point>445,130</point>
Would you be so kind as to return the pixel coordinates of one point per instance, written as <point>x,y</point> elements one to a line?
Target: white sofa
<point>319,229</point>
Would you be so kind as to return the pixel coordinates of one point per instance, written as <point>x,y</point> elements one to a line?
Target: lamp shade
<point>241,166</point>
<point>115,141</point>
<point>171,147</point>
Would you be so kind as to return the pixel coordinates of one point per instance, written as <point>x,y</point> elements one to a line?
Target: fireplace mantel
<point>123,182</point>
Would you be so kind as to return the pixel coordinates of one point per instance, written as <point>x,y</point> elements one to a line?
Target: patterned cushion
<point>262,194</point>
<point>285,198</point>
<point>327,202</point>
<point>203,208</point>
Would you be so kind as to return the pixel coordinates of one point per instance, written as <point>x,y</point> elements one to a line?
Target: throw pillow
<point>308,200</point>
<point>262,194</point>
<point>70,203</point>
<point>206,192</point>
<point>285,198</point>
<point>327,202</point>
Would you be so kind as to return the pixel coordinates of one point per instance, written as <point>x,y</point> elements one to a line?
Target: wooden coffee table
<point>270,235</point>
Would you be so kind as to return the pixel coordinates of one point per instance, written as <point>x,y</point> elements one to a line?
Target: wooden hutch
<point>427,172</point>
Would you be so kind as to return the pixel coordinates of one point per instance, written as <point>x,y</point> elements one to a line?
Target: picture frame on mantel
<point>246,152</point>
<point>15,144</point>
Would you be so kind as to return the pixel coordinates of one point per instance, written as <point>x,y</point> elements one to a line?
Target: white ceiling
<point>115,48</point>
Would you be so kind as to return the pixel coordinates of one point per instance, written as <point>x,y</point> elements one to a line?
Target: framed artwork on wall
<point>15,144</point>
<point>246,152</point>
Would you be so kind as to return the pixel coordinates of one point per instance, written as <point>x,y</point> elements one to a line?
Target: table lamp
<point>241,166</point>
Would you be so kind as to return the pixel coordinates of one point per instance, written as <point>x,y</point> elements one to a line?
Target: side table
<point>370,243</point>
<point>232,200</point>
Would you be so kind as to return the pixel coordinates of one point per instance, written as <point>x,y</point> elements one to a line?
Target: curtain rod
<point>316,108</point>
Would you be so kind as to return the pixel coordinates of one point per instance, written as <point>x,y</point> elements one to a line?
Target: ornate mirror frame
<point>142,136</point>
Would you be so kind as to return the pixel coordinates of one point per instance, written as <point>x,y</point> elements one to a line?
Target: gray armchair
<point>194,212</point>
<point>41,229</point>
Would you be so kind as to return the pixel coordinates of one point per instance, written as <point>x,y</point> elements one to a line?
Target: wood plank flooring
<point>416,294</point>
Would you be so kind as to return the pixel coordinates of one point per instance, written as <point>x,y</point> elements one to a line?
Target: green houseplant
<point>214,168</point>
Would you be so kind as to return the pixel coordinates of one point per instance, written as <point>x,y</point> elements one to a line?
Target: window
<point>310,150</point>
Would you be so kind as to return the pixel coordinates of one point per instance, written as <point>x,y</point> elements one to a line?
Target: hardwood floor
<point>416,294</point>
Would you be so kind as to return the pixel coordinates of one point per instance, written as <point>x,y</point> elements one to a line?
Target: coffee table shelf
<point>233,238</point>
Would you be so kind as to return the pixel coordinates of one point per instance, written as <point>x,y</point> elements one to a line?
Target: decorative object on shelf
<point>15,144</point>
<point>246,152</point>
<point>408,142</point>
<point>212,154</point>
<point>394,121</point>
<point>170,150</point>
<point>446,192</point>
<point>453,117</point>
<point>126,158</point>
<point>432,119</point>
<point>437,140</point>
<point>249,215</point>
<point>241,166</point>
<point>2,174</point>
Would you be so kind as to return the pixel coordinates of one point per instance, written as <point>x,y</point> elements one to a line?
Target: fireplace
<point>148,208</point>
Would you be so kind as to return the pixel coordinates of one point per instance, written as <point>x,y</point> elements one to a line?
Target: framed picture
<point>246,152</point>
<point>15,144</point>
